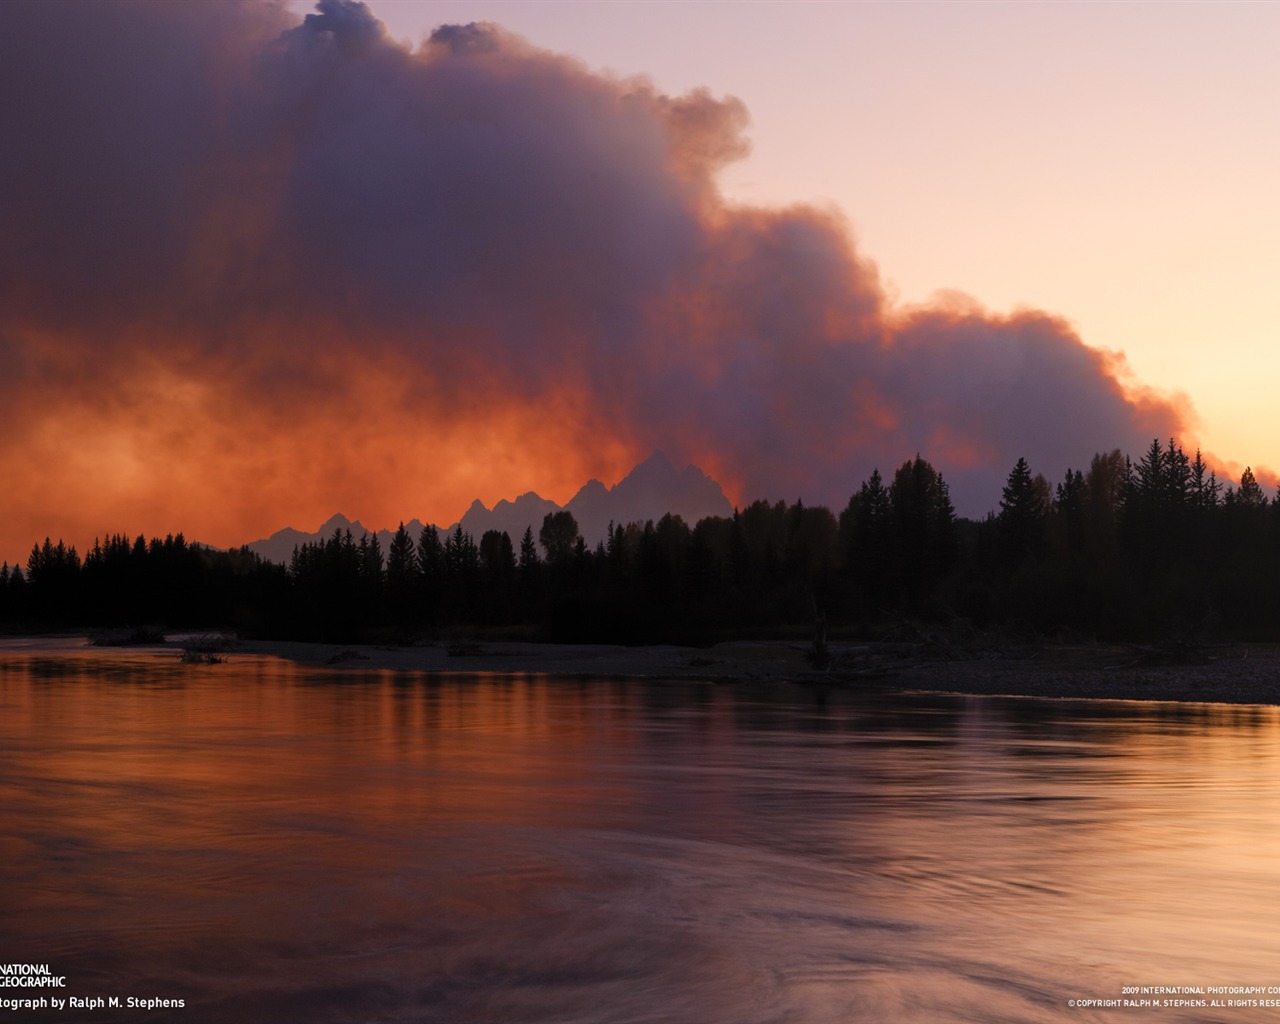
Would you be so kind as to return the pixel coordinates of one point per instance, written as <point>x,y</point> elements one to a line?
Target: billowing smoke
<point>254,271</point>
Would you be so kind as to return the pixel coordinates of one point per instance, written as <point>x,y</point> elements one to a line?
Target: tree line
<point>1120,550</point>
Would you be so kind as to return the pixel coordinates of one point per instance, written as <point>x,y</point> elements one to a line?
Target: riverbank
<point>1238,674</point>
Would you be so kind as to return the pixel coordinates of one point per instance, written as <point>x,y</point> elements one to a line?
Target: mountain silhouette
<point>510,516</point>
<point>650,491</point>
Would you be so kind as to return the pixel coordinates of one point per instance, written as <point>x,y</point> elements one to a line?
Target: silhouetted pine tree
<point>1069,514</point>
<point>924,531</point>
<point>462,571</point>
<point>498,567</point>
<point>1023,518</point>
<point>866,531</point>
<point>53,582</point>
<point>432,582</point>
<point>402,590</point>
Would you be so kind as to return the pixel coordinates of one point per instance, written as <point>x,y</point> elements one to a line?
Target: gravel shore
<point>1237,674</point>
<point>1229,674</point>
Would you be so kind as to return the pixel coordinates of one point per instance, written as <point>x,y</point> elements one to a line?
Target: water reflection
<point>275,843</point>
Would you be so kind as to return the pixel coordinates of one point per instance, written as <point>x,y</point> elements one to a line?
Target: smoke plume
<point>254,271</point>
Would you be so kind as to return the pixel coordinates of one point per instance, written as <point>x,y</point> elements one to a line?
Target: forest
<point>1144,550</point>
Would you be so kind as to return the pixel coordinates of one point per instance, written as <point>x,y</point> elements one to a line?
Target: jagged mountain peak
<point>655,463</point>
<point>651,490</point>
<point>589,491</point>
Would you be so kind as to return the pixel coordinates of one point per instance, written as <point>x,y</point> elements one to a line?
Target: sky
<point>1111,162</point>
<point>264,263</point>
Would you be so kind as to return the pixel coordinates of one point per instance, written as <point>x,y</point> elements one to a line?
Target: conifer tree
<point>1024,507</point>
<point>430,557</point>
<point>1250,493</point>
<point>1204,489</point>
<point>923,528</point>
<point>528,552</point>
<point>497,557</point>
<point>401,568</point>
<point>1069,506</point>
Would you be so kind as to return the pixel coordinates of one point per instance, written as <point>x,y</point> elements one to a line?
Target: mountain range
<point>650,491</point>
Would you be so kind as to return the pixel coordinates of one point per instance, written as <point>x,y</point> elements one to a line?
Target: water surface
<point>273,843</point>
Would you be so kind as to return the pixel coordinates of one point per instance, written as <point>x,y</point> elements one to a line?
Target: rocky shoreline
<point>1230,674</point>
<point>1237,674</point>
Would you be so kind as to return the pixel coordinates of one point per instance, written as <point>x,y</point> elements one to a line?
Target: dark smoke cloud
<point>253,270</point>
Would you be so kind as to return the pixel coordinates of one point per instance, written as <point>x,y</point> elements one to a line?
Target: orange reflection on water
<point>276,842</point>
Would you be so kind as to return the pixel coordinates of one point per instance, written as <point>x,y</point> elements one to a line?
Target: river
<point>272,843</point>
